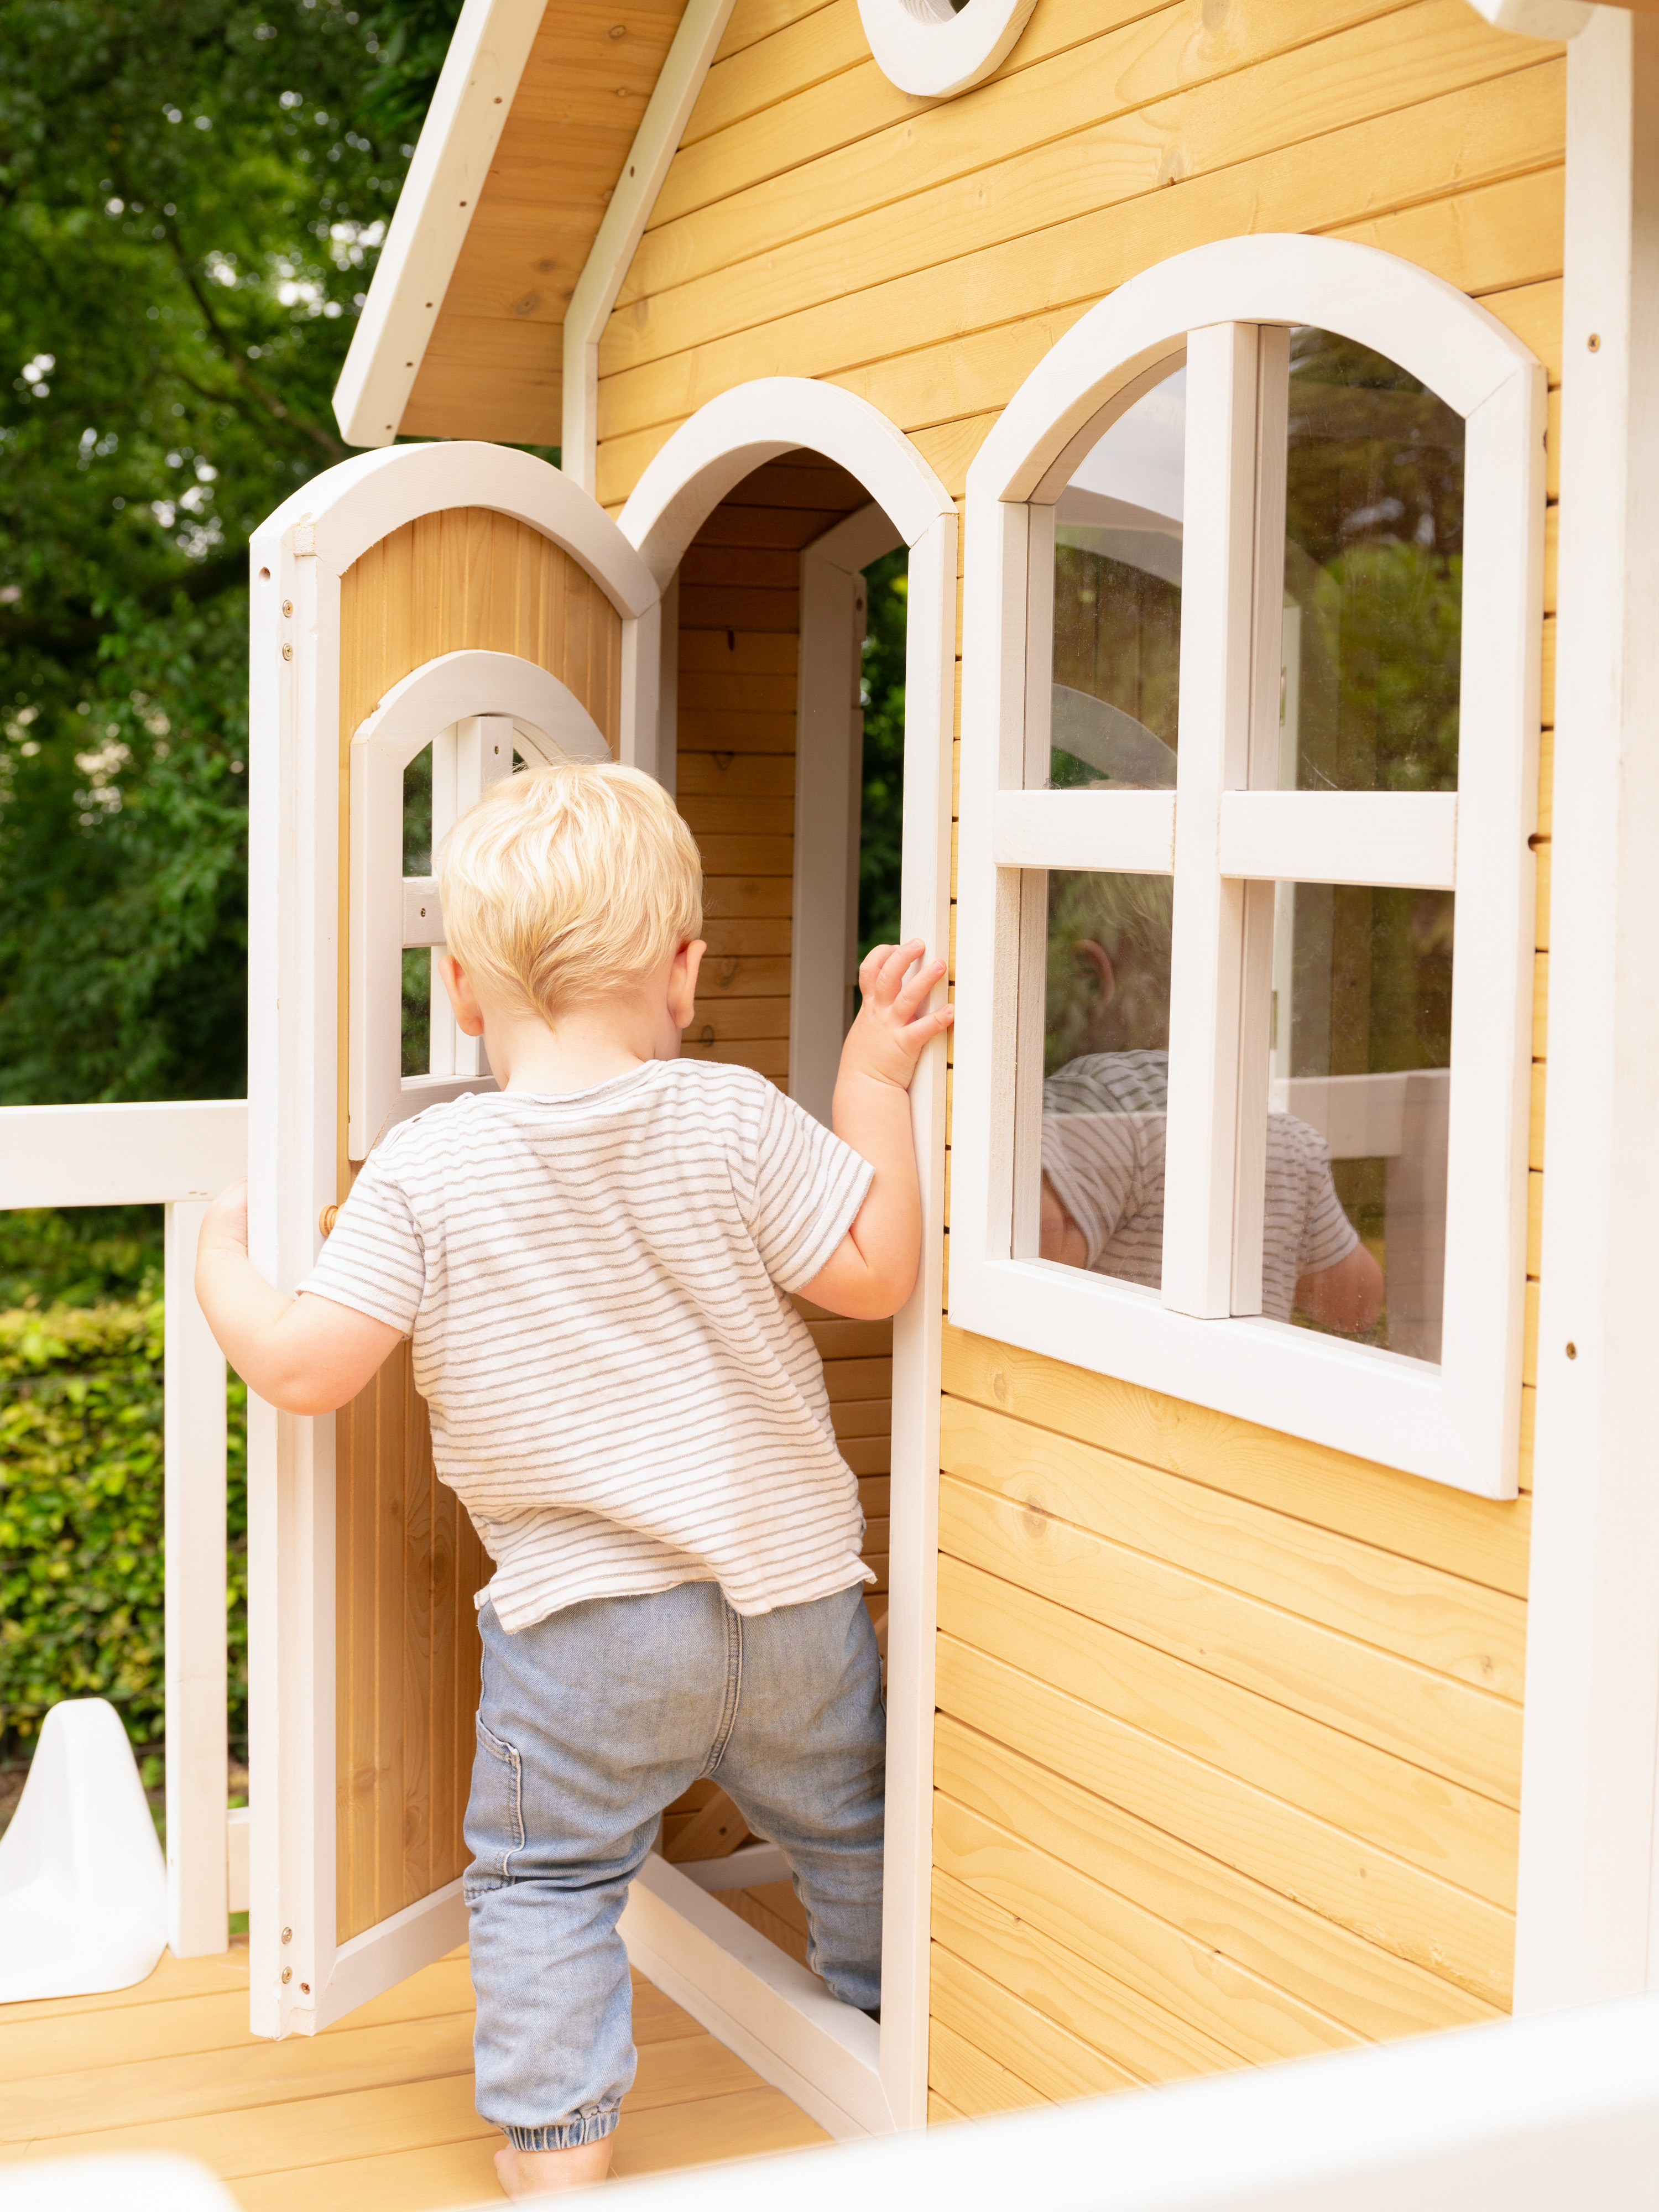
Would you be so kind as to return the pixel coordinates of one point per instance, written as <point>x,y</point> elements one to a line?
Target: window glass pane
<point>418,961</point>
<point>1359,1076</point>
<point>1106,1062</point>
<point>1373,574</point>
<point>1117,602</point>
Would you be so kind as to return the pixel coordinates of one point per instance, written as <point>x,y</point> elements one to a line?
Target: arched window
<point>1249,762</point>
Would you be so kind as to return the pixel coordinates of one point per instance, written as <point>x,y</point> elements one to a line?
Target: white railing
<point>177,1156</point>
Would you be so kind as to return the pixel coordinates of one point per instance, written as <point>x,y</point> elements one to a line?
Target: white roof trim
<point>655,144</point>
<point>458,141</point>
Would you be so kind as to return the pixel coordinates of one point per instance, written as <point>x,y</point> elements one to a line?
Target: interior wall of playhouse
<point>1229,1727</point>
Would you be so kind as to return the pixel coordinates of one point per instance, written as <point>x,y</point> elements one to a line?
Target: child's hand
<point>226,1220</point>
<point>893,1025</point>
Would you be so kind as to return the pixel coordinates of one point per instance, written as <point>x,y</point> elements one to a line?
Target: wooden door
<point>478,590</point>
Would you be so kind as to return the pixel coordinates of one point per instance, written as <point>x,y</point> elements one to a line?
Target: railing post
<point>196,1625</point>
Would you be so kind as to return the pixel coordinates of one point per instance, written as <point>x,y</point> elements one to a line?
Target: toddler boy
<point>593,1264</point>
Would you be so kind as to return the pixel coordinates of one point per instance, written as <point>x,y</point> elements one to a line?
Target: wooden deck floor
<point>374,2115</point>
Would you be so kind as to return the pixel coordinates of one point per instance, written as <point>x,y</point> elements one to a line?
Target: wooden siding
<point>407,1558</point>
<point>1229,1728</point>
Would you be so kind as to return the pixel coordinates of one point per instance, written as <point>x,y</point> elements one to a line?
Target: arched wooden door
<point>471,598</point>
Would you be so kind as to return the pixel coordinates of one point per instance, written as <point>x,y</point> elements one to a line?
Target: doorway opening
<point>789,763</point>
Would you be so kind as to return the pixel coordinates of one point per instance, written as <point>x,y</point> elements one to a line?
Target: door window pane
<point>1373,574</point>
<point>1359,1077</point>
<point>1106,1063</point>
<point>417,964</point>
<point>1117,602</point>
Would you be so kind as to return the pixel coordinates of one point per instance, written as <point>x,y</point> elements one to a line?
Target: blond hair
<point>565,882</point>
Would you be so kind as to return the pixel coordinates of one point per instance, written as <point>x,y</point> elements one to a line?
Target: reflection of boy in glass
<point>1104,1108</point>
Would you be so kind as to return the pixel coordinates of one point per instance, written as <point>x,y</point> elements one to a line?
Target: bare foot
<point>539,2172</point>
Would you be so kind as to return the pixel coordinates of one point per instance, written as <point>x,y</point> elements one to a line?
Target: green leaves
<point>81,1536</point>
<point>191,199</point>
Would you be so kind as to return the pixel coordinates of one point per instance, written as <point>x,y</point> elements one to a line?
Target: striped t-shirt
<point>621,1395</point>
<point>1104,1123</point>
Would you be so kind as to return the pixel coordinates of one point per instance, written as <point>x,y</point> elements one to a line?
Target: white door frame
<point>300,1976</point>
<point>1588,1905</point>
<point>828,789</point>
<point>854,2078</point>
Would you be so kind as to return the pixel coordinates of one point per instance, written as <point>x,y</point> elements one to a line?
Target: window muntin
<point>1115,705</point>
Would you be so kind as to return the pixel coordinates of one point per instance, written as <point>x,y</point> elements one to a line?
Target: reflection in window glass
<point>1373,574</point>
<point>1117,602</point>
<point>418,961</point>
<point>1359,1073</point>
<point>1106,1062</point>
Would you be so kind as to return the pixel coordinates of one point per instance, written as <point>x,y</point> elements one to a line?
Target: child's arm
<point>306,1355</point>
<point>873,1269</point>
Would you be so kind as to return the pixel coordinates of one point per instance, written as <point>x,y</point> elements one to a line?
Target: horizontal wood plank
<point>1282,1938</point>
<point>1456,1833</point>
<point>1424,1718</point>
<point>1375,1895</point>
<point>1419,1612</point>
<point>1470,1537</point>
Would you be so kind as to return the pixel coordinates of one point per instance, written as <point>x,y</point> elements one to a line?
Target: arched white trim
<point>475,709</point>
<point>341,513</point>
<point>1458,349</point>
<point>547,719</point>
<point>754,423</point>
<point>1219,307</point>
<point>929,48</point>
<point>700,463</point>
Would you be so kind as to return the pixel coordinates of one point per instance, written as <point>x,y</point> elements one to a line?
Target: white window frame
<point>933,49</point>
<point>854,2077</point>
<point>1223,309</point>
<point>476,709</point>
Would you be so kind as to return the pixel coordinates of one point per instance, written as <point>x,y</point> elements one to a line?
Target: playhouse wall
<point>408,1562</point>
<point>1228,1746</point>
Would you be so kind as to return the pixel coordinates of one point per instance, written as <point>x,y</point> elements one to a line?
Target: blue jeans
<point>590,1723</point>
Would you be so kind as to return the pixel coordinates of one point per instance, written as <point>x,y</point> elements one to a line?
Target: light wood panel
<point>408,1558</point>
<point>377,2111</point>
<point>1059,157</point>
<point>1446,1827</point>
<point>493,364</point>
<point>1286,1940</point>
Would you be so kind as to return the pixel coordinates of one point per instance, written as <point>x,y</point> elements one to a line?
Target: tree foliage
<point>191,198</point>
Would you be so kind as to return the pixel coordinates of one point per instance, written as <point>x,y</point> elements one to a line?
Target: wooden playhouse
<point>1255,387</point>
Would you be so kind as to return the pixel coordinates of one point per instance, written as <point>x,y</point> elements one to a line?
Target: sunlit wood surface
<point>373,2115</point>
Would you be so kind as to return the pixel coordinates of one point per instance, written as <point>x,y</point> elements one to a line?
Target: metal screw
<point>288,653</point>
<point>287,1934</point>
<point>1596,342</point>
<point>305,1989</point>
<point>1572,1351</point>
<point>287,606</point>
<point>288,1974</point>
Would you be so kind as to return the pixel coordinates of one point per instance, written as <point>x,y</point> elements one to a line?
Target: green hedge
<point>81,1536</point>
